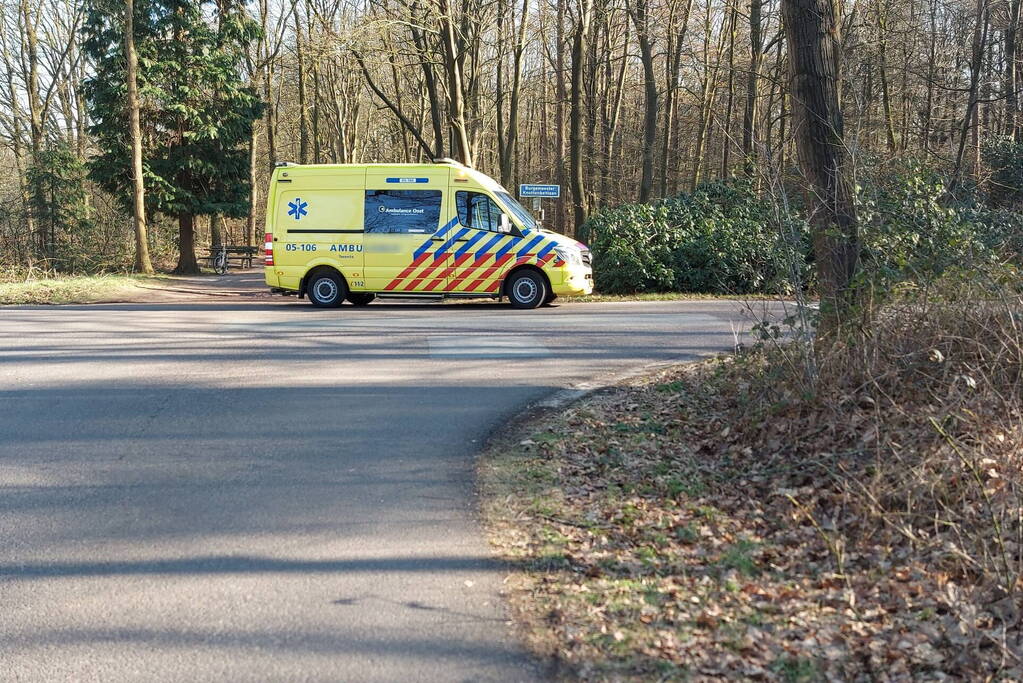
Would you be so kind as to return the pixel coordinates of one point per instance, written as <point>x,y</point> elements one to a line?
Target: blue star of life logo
<point>297,208</point>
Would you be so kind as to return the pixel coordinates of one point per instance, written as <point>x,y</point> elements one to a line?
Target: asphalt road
<point>235,488</point>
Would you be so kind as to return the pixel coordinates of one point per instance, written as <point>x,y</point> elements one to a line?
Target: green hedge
<point>722,238</point>
<point>914,229</point>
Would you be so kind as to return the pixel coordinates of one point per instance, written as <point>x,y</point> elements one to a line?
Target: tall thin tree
<point>138,191</point>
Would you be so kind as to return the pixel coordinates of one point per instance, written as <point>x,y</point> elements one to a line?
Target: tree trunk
<point>638,12</point>
<point>1012,84</point>
<point>138,191</point>
<point>726,136</point>
<point>303,117</point>
<point>886,99</point>
<point>509,146</point>
<point>430,79</point>
<point>560,98</point>
<point>579,207</point>
<point>969,117</point>
<point>749,118</point>
<point>32,77</point>
<point>707,97</point>
<point>250,219</point>
<point>456,99</point>
<point>187,263</point>
<point>218,229</point>
<point>814,46</point>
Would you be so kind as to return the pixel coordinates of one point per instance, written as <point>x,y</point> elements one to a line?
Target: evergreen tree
<point>60,205</point>
<point>196,112</point>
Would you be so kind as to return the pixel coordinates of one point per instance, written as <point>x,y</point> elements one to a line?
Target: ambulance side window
<point>477,210</point>
<point>402,211</point>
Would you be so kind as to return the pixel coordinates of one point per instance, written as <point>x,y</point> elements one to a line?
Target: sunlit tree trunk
<point>814,46</point>
<point>453,61</point>
<point>579,38</point>
<point>638,11</point>
<point>138,192</point>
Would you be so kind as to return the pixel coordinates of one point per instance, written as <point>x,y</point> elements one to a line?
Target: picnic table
<point>242,255</point>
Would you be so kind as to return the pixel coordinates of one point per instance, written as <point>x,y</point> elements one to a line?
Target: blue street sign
<point>549,191</point>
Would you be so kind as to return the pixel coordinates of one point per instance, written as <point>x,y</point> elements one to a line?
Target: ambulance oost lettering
<point>346,247</point>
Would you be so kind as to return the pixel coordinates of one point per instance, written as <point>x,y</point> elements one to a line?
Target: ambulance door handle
<point>437,239</point>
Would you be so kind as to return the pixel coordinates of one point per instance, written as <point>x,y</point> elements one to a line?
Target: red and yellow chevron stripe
<point>428,271</point>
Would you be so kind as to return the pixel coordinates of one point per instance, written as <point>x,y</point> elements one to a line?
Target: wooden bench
<point>242,255</point>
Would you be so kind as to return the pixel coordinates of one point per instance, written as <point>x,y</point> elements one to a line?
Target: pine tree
<point>196,112</point>
<point>60,205</point>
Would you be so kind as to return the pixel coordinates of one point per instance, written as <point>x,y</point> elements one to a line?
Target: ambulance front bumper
<point>577,281</point>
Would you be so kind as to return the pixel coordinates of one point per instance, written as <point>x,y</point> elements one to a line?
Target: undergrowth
<point>849,510</point>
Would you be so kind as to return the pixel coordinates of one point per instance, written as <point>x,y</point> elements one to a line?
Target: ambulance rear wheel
<point>326,289</point>
<point>361,298</point>
<point>526,289</point>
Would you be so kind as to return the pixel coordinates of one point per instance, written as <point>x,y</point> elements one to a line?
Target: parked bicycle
<point>220,260</point>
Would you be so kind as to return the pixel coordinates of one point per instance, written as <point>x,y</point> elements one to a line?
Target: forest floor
<point>715,520</point>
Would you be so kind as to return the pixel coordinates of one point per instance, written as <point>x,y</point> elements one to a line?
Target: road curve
<point>243,488</point>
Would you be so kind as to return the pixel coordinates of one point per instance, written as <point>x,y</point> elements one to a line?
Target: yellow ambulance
<point>357,232</point>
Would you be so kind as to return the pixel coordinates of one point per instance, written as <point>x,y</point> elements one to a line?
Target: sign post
<point>539,193</point>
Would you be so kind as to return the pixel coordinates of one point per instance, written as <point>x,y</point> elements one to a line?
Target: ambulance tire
<point>326,289</point>
<point>526,289</point>
<point>361,298</point>
<point>550,299</point>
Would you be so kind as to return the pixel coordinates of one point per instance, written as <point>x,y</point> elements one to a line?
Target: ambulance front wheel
<point>361,298</point>
<point>326,289</point>
<point>526,289</point>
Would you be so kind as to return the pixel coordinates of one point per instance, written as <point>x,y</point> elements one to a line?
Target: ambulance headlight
<point>570,255</point>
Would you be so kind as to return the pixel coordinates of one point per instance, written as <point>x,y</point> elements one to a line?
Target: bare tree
<point>638,10</point>
<point>580,36</point>
<point>138,192</point>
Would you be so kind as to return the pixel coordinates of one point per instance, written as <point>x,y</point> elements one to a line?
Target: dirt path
<point>247,283</point>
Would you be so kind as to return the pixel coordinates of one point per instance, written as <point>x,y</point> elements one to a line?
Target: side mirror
<point>505,226</point>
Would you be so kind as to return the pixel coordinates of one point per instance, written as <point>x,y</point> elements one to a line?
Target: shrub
<point>722,238</point>
<point>725,238</point>
<point>1004,156</point>
<point>60,204</point>
<point>913,229</point>
<point>633,244</point>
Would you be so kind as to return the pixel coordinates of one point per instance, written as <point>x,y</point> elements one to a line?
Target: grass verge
<point>86,289</point>
<point>795,514</point>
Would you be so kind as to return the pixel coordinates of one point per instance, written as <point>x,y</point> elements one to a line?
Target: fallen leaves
<point>668,529</point>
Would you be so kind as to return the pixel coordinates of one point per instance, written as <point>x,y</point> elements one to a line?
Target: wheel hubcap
<point>524,290</point>
<point>325,290</point>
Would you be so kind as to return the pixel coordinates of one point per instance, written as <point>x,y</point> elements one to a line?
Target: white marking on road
<point>478,346</point>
